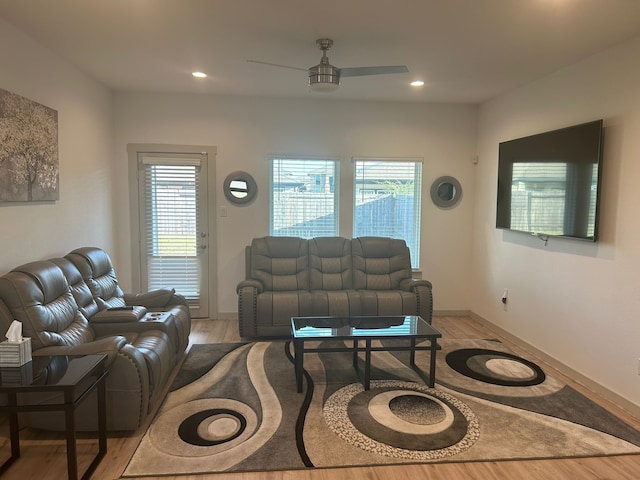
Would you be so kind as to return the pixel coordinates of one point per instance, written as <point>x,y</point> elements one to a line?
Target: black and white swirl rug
<point>234,407</point>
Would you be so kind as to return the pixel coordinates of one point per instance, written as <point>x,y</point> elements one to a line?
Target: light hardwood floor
<point>44,457</point>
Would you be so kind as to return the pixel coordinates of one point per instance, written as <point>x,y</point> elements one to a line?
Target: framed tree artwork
<point>28,150</point>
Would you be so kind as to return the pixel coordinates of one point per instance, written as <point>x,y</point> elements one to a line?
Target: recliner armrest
<point>409,283</point>
<point>119,315</point>
<point>155,299</point>
<point>107,345</point>
<point>257,284</point>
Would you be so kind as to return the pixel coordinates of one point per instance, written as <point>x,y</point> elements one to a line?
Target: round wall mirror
<point>446,192</point>
<point>240,188</point>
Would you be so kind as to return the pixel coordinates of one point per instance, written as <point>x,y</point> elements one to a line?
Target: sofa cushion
<point>38,295</point>
<point>388,302</point>
<point>277,308</point>
<point>330,265</point>
<point>380,263</point>
<point>97,271</point>
<point>79,289</point>
<point>335,303</point>
<point>280,263</point>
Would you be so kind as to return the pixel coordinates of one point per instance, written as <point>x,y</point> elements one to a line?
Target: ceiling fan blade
<point>362,71</point>
<point>277,65</point>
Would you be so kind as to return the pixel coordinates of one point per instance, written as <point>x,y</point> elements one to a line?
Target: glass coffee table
<point>358,333</point>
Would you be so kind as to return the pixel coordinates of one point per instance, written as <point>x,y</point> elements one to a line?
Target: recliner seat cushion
<point>388,302</point>
<point>277,308</point>
<point>335,303</point>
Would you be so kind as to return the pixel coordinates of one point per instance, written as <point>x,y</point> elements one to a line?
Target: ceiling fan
<point>324,77</point>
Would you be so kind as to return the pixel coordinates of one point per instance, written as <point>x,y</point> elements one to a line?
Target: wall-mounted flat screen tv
<point>549,183</point>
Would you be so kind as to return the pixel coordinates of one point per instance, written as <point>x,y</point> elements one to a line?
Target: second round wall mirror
<point>446,192</point>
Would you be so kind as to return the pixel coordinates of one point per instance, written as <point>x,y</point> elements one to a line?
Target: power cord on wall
<point>544,238</point>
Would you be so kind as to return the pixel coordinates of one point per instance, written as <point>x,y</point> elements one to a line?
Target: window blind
<point>303,197</point>
<point>171,226</point>
<point>387,201</point>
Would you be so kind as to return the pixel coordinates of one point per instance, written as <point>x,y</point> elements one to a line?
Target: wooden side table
<point>74,378</point>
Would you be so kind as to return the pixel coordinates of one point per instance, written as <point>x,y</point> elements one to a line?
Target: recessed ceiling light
<point>199,74</point>
<point>417,83</point>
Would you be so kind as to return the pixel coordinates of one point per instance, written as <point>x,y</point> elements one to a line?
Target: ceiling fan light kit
<point>324,77</point>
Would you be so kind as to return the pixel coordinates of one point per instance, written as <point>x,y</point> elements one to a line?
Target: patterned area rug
<point>234,407</point>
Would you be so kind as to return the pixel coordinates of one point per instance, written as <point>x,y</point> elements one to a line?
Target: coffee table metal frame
<point>95,372</point>
<point>364,330</point>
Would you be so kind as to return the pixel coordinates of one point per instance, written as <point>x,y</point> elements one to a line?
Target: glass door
<point>174,232</point>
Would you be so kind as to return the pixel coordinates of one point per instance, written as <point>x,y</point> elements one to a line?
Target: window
<point>387,200</point>
<point>304,195</point>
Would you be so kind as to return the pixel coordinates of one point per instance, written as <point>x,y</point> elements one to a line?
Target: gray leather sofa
<point>326,276</point>
<point>64,316</point>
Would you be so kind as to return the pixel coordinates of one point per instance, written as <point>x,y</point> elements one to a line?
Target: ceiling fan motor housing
<point>324,77</point>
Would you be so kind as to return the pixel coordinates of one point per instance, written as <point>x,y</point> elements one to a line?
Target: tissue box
<point>17,376</point>
<point>15,354</point>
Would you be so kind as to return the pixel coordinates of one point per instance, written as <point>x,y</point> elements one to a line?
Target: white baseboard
<point>604,392</point>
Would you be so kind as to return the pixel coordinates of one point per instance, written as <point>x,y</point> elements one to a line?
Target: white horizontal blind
<point>387,200</point>
<point>170,213</point>
<point>304,197</point>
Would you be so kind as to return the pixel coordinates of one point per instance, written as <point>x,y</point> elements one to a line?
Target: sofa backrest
<point>97,272</point>
<point>330,264</point>
<point>37,294</point>
<point>79,289</point>
<point>379,263</point>
<point>280,263</point>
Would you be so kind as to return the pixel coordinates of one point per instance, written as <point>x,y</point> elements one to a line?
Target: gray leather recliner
<point>61,316</point>
<point>326,276</point>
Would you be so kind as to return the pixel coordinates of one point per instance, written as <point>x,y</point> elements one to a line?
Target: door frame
<point>133,152</point>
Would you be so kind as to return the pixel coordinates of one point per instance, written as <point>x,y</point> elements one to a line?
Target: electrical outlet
<point>639,366</point>
<point>505,294</point>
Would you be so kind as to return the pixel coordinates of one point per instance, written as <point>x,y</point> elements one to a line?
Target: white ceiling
<point>464,50</point>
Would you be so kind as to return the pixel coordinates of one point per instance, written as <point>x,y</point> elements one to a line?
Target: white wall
<point>83,215</point>
<point>575,301</point>
<point>246,130</point>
